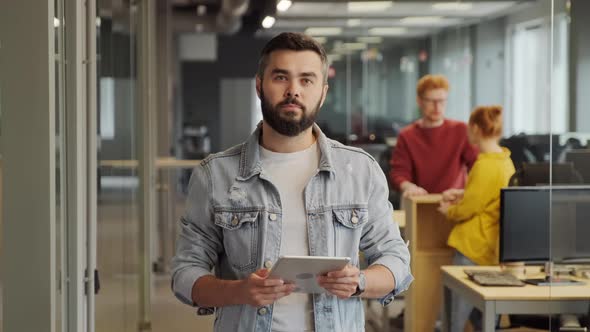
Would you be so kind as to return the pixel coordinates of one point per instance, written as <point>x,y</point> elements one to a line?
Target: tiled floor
<point>117,307</point>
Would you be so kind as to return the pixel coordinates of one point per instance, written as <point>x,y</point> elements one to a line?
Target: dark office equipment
<point>493,278</point>
<point>554,281</point>
<point>540,224</point>
<point>581,161</point>
<point>533,174</point>
<point>520,150</point>
<point>544,147</point>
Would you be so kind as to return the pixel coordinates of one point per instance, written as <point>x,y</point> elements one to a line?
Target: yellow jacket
<point>477,215</point>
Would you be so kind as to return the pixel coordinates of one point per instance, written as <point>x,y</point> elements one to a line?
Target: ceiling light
<point>283,5</point>
<point>268,22</point>
<point>354,46</point>
<point>370,40</point>
<point>334,57</point>
<point>450,6</point>
<point>201,10</point>
<point>421,20</point>
<point>353,22</point>
<point>388,31</point>
<point>323,31</point>
<point>369,6</point>
<point>55,22</point>
<point>321,40</point>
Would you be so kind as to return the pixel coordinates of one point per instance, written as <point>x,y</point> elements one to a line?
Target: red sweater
<point>435,159</point>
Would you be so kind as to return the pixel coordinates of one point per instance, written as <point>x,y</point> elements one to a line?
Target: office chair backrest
<point>533,174</point>
<point>581,161</point>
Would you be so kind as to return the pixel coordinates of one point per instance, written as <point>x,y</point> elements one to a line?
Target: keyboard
<point>493,278</point>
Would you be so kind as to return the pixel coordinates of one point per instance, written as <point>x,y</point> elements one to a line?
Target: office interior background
<point>107,105</point>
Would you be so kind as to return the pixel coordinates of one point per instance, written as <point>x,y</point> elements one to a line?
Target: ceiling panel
<point>396,9</point>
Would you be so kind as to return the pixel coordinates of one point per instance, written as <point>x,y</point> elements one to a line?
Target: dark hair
<point>488,119</point>
<point>295,42</point>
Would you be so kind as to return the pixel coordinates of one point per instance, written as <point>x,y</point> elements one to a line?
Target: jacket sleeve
<point>199,241</point>
<point>381,241</point>
<point>401,168</point>
<point>476,196</point>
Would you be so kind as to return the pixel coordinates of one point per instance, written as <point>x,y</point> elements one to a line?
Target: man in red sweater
<point>433,153</point>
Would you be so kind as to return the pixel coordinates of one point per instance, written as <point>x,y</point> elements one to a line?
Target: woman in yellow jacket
<point>475,211</point>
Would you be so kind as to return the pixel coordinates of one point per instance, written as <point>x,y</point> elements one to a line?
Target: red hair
<point>488,119</point>
<point>431,82</point>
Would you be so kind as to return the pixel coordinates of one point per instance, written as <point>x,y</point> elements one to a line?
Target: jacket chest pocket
<point>348,228</point>
<point>240,237</point>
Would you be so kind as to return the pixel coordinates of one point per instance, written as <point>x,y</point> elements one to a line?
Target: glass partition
<point>60,165</point>
<point>570,162</point>
<point>117,307</point>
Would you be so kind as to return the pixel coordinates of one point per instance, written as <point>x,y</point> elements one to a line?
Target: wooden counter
<point>427,230</point>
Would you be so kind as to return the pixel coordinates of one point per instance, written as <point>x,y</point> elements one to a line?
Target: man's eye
<point>281,78</point>
<point>307,81</point>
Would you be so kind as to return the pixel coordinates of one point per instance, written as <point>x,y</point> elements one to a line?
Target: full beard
<point>283,124</point>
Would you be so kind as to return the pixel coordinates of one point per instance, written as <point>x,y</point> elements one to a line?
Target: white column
<point>27,85</point>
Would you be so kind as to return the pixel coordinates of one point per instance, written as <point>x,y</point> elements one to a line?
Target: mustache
<point>291,100</point>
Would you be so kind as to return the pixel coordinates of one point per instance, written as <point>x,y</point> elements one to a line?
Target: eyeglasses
<point>432,101</point>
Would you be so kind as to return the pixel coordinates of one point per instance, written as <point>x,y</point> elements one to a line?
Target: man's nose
<point>438,106</point>
<point>293,90</point>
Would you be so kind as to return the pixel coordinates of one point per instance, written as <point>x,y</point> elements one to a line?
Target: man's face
<point>433,104</point>
<point>291,91</point>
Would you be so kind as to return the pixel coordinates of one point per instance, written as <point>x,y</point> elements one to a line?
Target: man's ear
<point>258,85</point>
<point>325,93</point>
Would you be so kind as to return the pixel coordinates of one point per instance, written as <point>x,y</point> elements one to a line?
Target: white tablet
<point>303,270</point>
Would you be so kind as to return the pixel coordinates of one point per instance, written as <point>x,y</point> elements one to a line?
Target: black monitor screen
<point>527,233</point>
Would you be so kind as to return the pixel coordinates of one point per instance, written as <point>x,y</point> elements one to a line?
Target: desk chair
<point>533,174</point>
<point>581,161</point>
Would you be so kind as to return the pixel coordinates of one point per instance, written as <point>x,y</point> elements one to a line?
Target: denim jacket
<point>233,221</point>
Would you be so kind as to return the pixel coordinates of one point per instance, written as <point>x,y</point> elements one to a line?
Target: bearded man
<point>288,190</point>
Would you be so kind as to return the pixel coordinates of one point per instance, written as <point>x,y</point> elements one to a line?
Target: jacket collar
<point>250,164</point>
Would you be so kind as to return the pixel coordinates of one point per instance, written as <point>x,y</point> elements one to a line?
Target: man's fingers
<point>265,299</point>
<point>345,280</point>
<point>262,273</point>
<point>347,272</point>
<point>270,282</point>
<point>275,289</point>
<point>341,287</point>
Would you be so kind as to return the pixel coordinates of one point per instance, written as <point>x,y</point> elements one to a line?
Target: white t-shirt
<point>290,173</point>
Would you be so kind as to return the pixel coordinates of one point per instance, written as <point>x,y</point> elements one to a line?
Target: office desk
<point>529,299</point>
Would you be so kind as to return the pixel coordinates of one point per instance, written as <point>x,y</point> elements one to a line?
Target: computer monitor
<point>540,224</point>
<point>581,161</point>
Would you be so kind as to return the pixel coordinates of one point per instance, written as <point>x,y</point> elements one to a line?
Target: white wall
<point>452,56</point>
<point>581,49</point>
<point>240,110</point>
<point>538,9</point>
<point>489,57</point>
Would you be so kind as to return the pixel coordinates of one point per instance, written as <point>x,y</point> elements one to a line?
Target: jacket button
<point>235,221</point>
<point>268,264</point>
<point>272,216</point>
<point>354,220</point>
<point>262,311</point>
